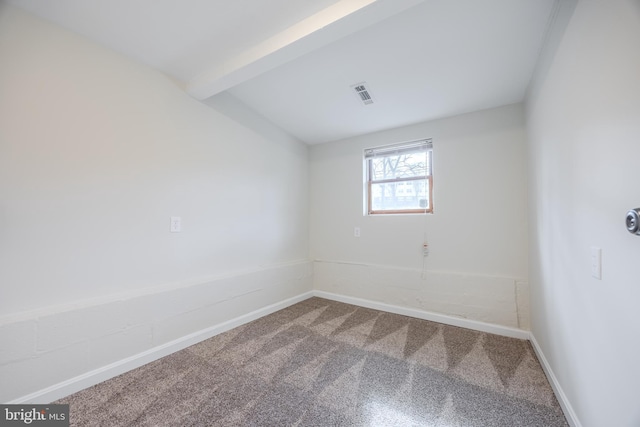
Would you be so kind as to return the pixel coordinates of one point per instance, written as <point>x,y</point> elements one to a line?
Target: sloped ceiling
<point>294,61</point>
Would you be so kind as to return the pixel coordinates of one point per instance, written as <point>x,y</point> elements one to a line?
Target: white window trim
<point>395,149</point>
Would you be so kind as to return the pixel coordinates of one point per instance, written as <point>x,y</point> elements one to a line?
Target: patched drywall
<point>486,299</point>
<point>46,347</point>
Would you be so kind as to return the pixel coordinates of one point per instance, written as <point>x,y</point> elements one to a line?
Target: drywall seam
<point>569,413</point>
<point>96,376</point>
<point>515,301</point>
<point>149,291</point>
<point>419,270</point>
<point>483,298</point>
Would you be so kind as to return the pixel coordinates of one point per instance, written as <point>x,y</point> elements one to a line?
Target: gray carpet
<point>325,363</point>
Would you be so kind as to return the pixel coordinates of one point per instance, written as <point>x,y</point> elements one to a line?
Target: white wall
<point>584,147</point>
<point>96,153</point>
<point>477,235</point>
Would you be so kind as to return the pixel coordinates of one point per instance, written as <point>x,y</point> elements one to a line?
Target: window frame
<point>395,149</point>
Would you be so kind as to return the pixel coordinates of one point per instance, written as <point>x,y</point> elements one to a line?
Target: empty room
<point>320,213</point>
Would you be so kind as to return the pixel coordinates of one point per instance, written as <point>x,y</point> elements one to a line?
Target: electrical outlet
<point>176,224</point>
<point>356,232</point>
<point>425,249</point>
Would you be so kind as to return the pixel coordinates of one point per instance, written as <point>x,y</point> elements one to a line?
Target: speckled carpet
<point>325,363</point>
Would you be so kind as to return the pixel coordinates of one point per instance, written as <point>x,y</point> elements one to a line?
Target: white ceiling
<point>294,61</point>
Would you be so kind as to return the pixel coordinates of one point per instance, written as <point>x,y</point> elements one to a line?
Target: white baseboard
<point>569,413</point>
<point>567,409</point>
<point>104,373</point>
<point>99,375</point>
<point>426,315</point>
<point>496,300</point>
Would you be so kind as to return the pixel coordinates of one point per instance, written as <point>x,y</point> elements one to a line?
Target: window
<point>399,178</point>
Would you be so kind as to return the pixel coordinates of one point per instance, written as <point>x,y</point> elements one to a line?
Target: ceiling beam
<point>333,23</point>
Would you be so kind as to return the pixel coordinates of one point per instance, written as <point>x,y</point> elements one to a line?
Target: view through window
<point>399,178</point>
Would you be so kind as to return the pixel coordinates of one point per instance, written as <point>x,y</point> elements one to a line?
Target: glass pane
<point>399,166</point>
<point>400,195</point>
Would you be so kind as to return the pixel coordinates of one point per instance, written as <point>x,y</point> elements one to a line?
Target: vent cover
<point>363,94</point>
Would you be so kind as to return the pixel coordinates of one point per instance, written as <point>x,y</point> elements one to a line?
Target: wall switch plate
<point>176,224</point>
<point>356,232</point>
<point>596,263</point>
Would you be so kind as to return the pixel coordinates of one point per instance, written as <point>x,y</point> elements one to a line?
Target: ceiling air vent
<point>363,93</point>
